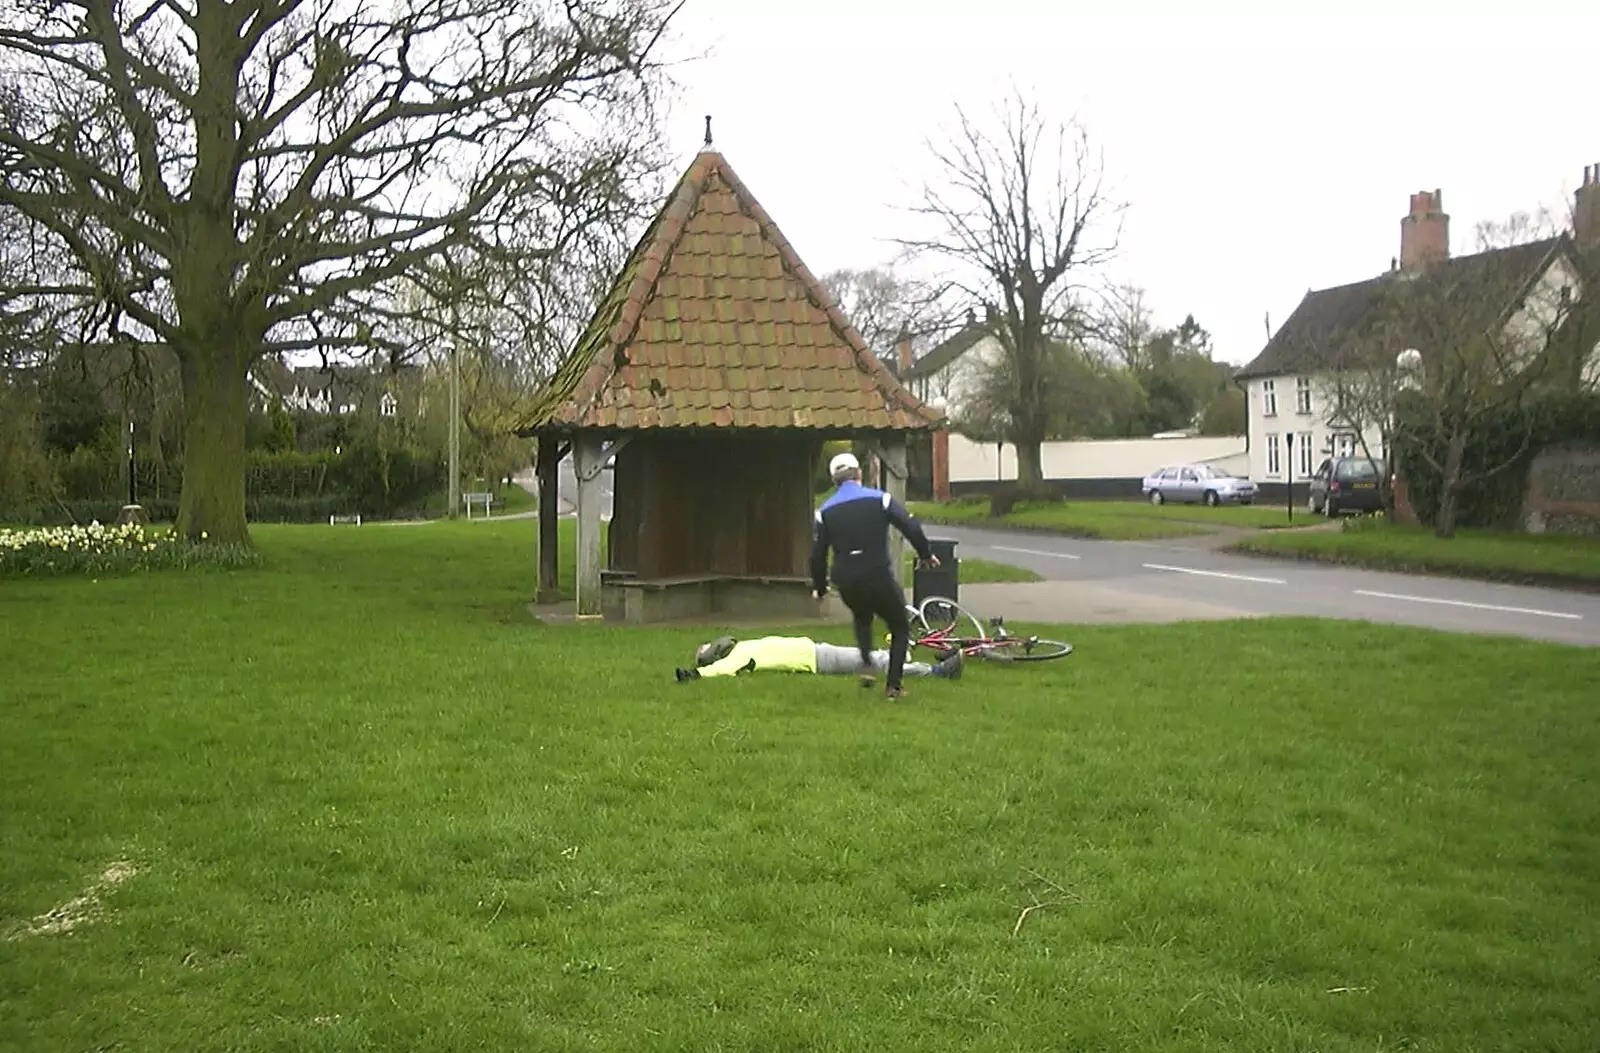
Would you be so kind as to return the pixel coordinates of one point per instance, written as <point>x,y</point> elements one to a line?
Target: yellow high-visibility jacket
<point>788,654</point>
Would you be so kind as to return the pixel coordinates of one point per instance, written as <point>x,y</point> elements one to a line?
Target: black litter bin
<point>943,580</point>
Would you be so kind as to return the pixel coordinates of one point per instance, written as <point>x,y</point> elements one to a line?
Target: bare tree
<point>884,306</point>
<point>1472,338</point>
<point>1022,223</point>
<point>1126,327</point>
<point>234,179</point>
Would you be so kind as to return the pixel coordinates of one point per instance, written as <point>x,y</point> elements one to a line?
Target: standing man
<point>854,523</point>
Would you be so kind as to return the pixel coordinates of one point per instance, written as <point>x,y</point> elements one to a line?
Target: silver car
<point>1191,483</point>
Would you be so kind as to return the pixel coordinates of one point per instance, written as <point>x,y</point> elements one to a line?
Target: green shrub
<point>1513,437</point>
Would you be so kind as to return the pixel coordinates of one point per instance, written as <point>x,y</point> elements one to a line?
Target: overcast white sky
<point>1260,153</point>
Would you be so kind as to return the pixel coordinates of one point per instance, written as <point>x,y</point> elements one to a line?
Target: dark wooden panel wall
<point>713,503</point>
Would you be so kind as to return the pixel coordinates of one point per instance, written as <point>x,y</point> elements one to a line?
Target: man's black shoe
<point>687,674</point>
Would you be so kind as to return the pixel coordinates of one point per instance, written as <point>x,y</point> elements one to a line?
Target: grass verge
<point>361,802</point>
<point>1535,559</point>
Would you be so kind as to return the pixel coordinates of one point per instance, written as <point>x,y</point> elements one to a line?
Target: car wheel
<point>1311,504</point>
<point>1330,507</point>
<point>1155,497</point>
<point>1212,499</point>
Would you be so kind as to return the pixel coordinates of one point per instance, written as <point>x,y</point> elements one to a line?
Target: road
<point>567,488</point>
<point>1188,579</point>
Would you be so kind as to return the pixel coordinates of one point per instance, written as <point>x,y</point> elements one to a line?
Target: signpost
<point>1288,453</point>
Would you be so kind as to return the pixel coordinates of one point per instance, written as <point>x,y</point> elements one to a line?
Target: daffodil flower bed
<point>97,549</point>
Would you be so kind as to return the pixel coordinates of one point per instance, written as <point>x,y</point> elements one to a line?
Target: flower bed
<point>96,549</point>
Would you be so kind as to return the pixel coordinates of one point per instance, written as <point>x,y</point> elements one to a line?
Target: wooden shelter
<point>709,377</point>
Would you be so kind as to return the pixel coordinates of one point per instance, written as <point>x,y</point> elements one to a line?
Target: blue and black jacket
<point>854,522</point>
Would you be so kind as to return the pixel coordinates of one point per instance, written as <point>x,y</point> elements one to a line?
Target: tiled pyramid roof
<point>714,322</point>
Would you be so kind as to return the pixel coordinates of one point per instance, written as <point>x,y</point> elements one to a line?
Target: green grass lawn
<point>1513,557</point>
<point>368,804</point>
<point>1113,520</point>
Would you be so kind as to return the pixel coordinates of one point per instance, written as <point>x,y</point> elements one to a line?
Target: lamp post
<point>455,426</point>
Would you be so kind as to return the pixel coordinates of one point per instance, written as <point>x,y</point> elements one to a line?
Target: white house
<point>947,375</point>
<point>1297,412</point>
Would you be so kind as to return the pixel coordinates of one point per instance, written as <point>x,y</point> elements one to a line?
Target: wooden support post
<point>546,554</point>
<point>588,458</point>
<point>941,465</point>
<point>892,458</point>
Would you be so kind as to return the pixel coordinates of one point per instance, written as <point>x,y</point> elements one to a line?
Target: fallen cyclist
<point>726,656</point>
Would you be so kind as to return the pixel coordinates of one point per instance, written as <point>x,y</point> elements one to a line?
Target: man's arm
<point>819,554</point>
<point>907,524</point>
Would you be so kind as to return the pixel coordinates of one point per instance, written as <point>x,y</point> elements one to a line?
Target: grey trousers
<point>831,658</point>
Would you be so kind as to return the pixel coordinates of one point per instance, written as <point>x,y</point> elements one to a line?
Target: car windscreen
<point>1358,470</point>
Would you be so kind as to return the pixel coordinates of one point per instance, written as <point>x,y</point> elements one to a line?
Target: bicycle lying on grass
<point>938,623</point>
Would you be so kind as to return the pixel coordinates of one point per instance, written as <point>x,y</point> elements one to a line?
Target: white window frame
<point>1344,444</point>
<point>1302,395</point>
<point>1305,452</point>
<point>1269,399</point>
<point>1274,455</point>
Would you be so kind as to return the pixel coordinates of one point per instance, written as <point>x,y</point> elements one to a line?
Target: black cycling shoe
<point>949,668</point>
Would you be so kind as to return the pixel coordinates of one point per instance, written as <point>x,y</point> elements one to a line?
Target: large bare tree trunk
<point>214,411</point>
<point>1030,464</point>
<point>1444,523</point>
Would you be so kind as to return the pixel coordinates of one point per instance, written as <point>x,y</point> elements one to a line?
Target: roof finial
<point>708,129</point>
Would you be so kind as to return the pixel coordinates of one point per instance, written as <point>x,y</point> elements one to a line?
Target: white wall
<point>1092,458</point>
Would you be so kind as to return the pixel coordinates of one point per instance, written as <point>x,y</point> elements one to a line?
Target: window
<point>1274,455</point>
<point>1344,445</point>
<point>1305,454</point>
<point>1269,400</point>
<point>1302,395</point>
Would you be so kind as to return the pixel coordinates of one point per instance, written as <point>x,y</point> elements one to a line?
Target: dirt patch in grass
<point>80,910</point>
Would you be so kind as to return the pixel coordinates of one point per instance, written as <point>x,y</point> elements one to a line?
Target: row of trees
<point>66,427</point>
<point>1118,376</point>
<point>211,183</point>
<point>189,187</point>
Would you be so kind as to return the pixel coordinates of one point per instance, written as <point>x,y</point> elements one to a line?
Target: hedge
<point>287,487</point>
<point>1494,502</point>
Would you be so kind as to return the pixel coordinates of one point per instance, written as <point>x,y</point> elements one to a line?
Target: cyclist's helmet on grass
<point>714,650</point>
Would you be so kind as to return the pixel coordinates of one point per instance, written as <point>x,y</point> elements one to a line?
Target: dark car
<point>1347,484</point>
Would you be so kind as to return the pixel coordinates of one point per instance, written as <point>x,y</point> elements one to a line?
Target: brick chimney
<point>1425,233</point>
<point>1586,210</point>
<point>902,351</point>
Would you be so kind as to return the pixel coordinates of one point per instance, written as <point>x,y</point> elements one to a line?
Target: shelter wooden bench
<point>626,597</point>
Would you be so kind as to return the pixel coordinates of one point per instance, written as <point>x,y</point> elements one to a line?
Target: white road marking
<point>1464,603</point>
<point>1214,574</point>
<point>1034,552</point>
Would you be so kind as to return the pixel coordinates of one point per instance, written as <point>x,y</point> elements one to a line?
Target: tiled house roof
<point>942,356</point>
<point>1331,328</point>
<point>714,322</point>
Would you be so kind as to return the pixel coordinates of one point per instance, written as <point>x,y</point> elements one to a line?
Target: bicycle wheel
<point>942,615</point>
<point>1025,649</point>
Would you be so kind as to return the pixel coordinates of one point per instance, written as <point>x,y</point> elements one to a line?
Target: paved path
<point>1169,580</point>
